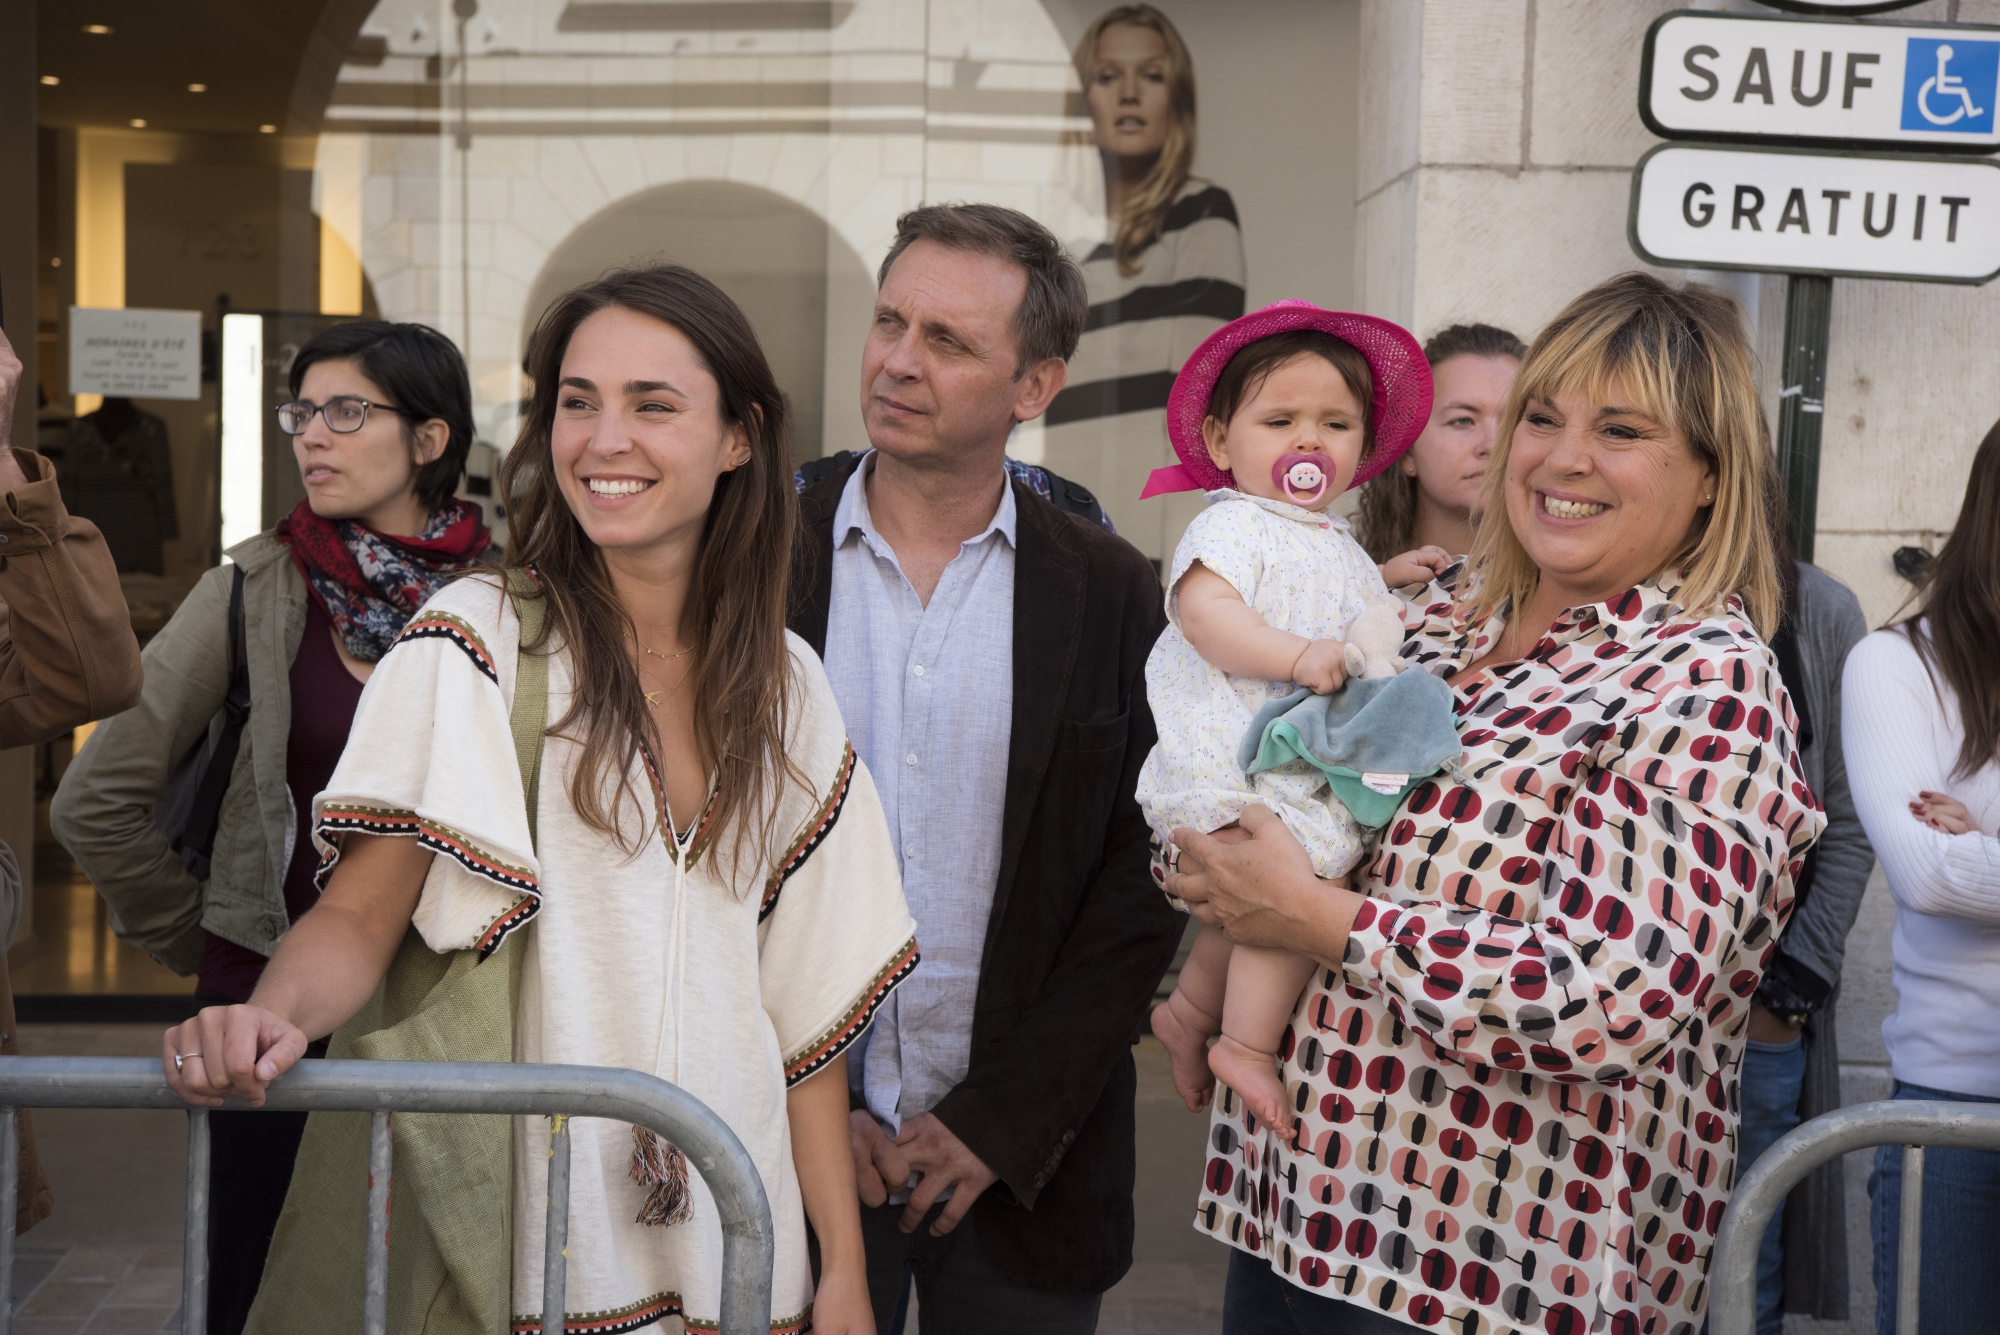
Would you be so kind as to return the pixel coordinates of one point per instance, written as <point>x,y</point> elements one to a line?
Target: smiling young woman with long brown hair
<point>699,885</point>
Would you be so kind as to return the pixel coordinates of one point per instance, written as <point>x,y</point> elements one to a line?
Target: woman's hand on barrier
<point>1942,812</point>
<point>1257,886</point>
<point>229,1052</point>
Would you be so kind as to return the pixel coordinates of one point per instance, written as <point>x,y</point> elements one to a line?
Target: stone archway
<point>776,258</point>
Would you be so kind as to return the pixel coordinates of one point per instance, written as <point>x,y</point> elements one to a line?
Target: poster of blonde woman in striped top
<point>1170,274</point>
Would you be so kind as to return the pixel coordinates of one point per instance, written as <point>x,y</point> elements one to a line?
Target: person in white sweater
<point>1921,728</point>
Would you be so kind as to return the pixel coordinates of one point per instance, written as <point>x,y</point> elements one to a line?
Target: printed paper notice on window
<point>135,354</point>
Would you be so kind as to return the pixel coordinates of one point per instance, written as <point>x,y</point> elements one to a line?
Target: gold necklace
<point>657,654</point>
<point>653,697</point>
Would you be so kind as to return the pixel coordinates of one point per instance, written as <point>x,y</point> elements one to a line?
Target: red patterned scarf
<point>371,583</point>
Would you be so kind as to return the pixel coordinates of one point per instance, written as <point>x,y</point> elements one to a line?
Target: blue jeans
<point>1961,1241</point>
<point>1257,1300</point>
<point>1773,1075</point>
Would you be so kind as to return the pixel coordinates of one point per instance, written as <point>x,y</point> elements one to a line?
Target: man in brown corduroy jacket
<point>67,656</point>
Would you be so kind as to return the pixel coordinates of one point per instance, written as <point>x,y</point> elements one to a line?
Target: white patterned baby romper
<point>1303,573</point>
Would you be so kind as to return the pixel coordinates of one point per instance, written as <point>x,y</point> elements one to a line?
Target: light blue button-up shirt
<point>927,692</point>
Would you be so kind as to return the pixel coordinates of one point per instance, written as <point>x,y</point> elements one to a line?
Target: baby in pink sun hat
<point>1274,417</point>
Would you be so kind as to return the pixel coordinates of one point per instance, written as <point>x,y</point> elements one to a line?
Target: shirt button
<point>911,760</point>
<point>918,669</point>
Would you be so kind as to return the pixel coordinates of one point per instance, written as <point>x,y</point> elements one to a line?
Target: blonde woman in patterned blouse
<point>1514,1077</point>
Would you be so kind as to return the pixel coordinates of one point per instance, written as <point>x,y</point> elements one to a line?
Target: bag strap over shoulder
<point>195,840</point>
<point>531,689</point>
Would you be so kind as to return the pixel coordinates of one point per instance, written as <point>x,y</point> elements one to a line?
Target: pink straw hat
<point>1396,360</point>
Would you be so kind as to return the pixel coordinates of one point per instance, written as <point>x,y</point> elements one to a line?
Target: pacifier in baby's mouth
<point>1303,478</point>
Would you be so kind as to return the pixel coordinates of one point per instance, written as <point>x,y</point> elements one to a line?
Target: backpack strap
<point>197,836</point>
<point>530,715</point>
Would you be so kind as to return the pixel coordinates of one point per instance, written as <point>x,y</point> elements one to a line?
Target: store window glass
<point>260,170</point>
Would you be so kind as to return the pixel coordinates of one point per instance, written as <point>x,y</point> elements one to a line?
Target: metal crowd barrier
<point>1914,1124</point>
<point>516,1089</point>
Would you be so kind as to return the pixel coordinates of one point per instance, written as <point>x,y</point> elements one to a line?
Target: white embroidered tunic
<point>1303,573</point>
<point>733,991</point>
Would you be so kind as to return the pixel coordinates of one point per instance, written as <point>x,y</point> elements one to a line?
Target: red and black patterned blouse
<point>1517,1097</point>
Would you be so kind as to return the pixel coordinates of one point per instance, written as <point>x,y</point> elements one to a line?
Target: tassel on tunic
<point>663,1170</point>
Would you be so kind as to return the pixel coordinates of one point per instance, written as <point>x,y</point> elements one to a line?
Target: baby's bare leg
<point>1187,1018</point>
<point>1263,990</point>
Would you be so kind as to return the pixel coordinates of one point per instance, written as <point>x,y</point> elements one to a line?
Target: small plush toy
<point>1375,637</point>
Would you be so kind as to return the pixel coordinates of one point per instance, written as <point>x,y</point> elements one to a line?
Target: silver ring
<point>178,1059</point>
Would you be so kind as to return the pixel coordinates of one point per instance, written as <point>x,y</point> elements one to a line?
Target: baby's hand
<point>1418,567</point>
<point>1322,668</point>
<point>1941,812</point>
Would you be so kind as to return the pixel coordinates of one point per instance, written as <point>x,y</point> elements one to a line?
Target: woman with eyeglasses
<point>380,421</point>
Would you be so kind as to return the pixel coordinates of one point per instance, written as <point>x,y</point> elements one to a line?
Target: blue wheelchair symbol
<point>1950,85</point>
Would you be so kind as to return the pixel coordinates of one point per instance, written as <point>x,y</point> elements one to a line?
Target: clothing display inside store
<point>118,472</point>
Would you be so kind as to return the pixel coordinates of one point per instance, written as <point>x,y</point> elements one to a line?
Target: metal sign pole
<point>1801,403</point>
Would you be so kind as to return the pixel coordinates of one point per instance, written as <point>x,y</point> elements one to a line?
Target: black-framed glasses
<point>344,413</point>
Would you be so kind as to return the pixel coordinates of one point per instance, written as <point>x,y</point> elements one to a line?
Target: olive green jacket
<point>451,1251</point>
<point>103,812</point>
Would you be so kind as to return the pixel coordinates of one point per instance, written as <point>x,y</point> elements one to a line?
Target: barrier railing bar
<point>194,1248</point>
<point>10,1197</point>
<point>555,1247</point>
<point>515,1089</point>
<point>1733,1273</point>
<point>375,1286</point>
<point>1909,1252</point>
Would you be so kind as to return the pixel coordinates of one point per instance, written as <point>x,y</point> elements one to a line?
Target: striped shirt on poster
<point>1108,427</point>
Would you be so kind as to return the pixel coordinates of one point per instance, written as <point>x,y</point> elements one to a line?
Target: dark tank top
<point>324,695</point>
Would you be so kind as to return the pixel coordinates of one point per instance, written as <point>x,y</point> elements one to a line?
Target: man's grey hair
<point>1049,320</point>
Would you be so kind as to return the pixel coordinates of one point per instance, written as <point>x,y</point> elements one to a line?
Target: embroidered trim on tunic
<point>790,1325</point>
<point>853,1024</point>
<point>813,834</point>
<point>704,833</point>
<point>438,838</point>
<point>445,626</point>
<point>644,1313</point>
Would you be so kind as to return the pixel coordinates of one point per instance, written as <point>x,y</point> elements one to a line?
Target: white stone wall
<point>1497,142</point>
<point>924,100</point>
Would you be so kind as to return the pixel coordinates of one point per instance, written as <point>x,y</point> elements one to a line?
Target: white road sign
<point>1912,85</point>
<point>138,354</point>
<point>1789,211</point>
